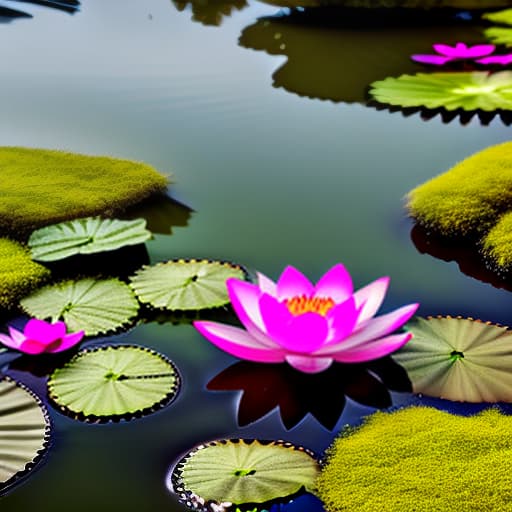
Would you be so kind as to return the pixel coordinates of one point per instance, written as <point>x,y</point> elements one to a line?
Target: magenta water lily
<point>309,326</point>
<point>461,51</point>
<point>39,336</point>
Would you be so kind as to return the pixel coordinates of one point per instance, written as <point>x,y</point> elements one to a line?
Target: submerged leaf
<point>451,91</point>
<point>24,431</point>
<point>85,236</point>
<point>244,471</point>
<point>113,382</point>
<point>459,359</point>
<point>185,284</point>
<point>94,306</point>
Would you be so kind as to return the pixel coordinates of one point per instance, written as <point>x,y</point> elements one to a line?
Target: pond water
<point>277,167</point>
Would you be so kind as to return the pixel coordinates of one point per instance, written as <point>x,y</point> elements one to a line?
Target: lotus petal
<point>309,364</point>
<point>266,285</point>
<point>335,284</point>
<point>238,343</point>
<point>293,283</point>
<point>373,349</point>
<point>435,60</point>
<point>370,298</point>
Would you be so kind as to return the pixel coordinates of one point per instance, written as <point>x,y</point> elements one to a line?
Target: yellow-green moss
<point>468,199</point>
<point>497,244</point>
<point>40,187</point>
<point>19,275</point>
<point>423,460</point>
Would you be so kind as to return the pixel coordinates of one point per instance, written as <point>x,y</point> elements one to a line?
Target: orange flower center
<point>302,304</point>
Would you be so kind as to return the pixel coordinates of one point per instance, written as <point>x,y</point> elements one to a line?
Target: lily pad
<point>459,359</point>
<point>185,284</point>
<point>241,471</point>
<point>499,35</point>
<point>504,17</point>
<point>451,91</point>
<point>85,236</point>
<point>114,382</point>
<point>94,306</point>
<point>24,431</point>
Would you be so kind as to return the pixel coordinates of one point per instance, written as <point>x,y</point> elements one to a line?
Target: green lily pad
<point>499,35</point>
<point>24,431</point>
<point>459,359</point>
<point>94,306</point>
<point>185,284</point>
<point>85,236</point>
<point>451,91</point>
<point>504,17</point>
<point>114,382</point>
<point>240,471</point>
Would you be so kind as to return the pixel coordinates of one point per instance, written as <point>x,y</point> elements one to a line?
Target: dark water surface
<point>274,178</point>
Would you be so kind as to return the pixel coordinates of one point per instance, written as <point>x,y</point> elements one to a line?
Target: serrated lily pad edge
<point>116,418</point>
<point>195,502</point>
<point>6,486</point>
<point>231,264</point>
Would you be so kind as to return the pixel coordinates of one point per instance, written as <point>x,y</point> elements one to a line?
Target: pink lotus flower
<point>460,51</point>
<point>309,326</point>
<point>39,336</point>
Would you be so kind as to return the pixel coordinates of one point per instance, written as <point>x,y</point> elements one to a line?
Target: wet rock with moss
<point>41,187</point>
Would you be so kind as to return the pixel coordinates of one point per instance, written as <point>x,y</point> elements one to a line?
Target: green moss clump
<point>469,198</point>
<point>40,187</point>
<point>497,244</point>
<point>423,460</point>
<point>19,275</point>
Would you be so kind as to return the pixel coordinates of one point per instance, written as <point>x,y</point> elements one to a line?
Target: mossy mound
<point>19,275</point>
<point>421,459</point>
<point>467,199</point>
<point>497,244</point>
<point>40,187</point>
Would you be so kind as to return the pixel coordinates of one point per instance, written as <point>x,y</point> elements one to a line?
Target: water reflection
<point>464,253</point>
<point>335,55</point>
<point>210,12</point>
<point>161,212</point>
<point>267,386</point>
<point>7,13</point>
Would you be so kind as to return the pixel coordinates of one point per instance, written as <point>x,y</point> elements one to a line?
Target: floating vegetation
<point>268,386</point>
<point>85,236</point>
<point>499,35</point>
<point>63,186</point>
<point>24,431</point>
<point>503,17</point>
<point>94,306</point>
<point>185,284</point>
<point>19,275</point>
<point>459,359</point>
<point>420,459</point>
<point>467,91</point>
<point>496,246</point>
<point>210,12</point>
<point>114,382</point>
<point>243,471</point>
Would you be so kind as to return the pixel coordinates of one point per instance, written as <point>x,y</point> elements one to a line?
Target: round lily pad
<point>185,284</point>
<point>92,305</point>
<point>452,91</point>
<point>242,471</point>
<point>24,431</point>
<point>114,382</point>
<point>459,359</point>
<point>85,236</point>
